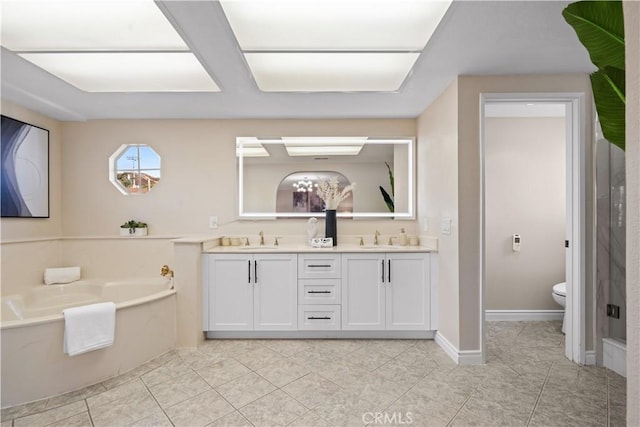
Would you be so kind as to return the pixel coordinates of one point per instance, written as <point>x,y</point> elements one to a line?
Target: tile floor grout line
<point>158,403</point>
<point>463,404</point>
<point>535,406</point>
<point>88,413</point>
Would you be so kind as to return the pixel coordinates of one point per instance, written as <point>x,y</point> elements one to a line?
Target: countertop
<point>301,248</point>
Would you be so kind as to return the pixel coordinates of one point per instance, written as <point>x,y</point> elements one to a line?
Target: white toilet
<point>559,295</point>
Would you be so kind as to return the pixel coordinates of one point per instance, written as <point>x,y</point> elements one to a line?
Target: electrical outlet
<point>213,222</point>
<point>613,311</point>
<point>425,224</point>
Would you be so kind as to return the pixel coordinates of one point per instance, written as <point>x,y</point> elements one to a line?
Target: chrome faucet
<point>261,234</point>
<point>375,237</point>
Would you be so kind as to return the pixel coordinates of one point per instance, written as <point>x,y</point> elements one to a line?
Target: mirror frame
<point>411,187</point>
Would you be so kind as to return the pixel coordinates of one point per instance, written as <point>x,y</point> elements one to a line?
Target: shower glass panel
<point>611,241</point>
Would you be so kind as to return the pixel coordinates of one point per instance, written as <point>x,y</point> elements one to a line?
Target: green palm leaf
<point>608,93</point>
<point>387,199</point>
<point>600,28</point>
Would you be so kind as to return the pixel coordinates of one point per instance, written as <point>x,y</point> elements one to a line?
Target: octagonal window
<point>134,168</point>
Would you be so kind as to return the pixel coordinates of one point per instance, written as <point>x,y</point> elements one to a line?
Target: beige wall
<point>198,174</point>
<point>632,37</point>
<point>524,194</point>
<point>449,150</point>
<point>469,186</point>
<point>23,262</point>
<point>438,198</point>
<point>26,228</point>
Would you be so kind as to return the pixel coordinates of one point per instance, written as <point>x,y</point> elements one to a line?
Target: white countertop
<point>306,248</point>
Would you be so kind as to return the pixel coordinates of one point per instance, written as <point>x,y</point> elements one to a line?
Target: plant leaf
<point>391,180</point>
<point>608,92</point>
<point>387,199</point>
<point>600,28</point>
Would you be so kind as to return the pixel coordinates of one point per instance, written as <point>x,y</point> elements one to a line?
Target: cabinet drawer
<point>311,266</point>
<point>319,317</point>
<point>318,291</point>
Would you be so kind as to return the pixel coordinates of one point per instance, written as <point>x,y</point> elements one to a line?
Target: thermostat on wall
<point>515,242</point>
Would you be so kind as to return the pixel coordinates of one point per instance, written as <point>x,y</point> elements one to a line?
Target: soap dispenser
<point>402,238</point>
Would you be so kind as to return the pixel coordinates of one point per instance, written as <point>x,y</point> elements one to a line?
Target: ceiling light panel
<point>86,25</point>
<point>330,72</point>
<point>376,25</point>
<point>127,72</point>
<point>323,150</point>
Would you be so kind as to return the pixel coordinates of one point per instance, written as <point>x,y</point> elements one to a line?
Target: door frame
<point>576,213</point>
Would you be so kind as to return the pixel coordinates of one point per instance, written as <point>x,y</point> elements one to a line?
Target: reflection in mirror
<point>266,165</point>
<point>297,192</point>
<point>134,169</point>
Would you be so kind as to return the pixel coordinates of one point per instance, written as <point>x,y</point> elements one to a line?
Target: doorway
<point>568,109</point>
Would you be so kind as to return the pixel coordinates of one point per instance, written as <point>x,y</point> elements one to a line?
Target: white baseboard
<point>515,315</point>
<point>466,357</point>
<point>590,357</point>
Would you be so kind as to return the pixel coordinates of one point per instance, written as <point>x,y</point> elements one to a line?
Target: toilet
<point>559,295</point>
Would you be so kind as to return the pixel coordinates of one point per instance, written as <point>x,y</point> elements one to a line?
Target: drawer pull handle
<point>319,265</point>
<point>318,292</point>
<point>319,318</point>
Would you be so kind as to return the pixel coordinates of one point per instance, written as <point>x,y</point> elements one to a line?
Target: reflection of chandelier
<point>303,186</point>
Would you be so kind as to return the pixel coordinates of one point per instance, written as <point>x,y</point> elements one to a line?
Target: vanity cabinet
<point>319,287</point>
<point>252,292</point>
<point>385,291</point>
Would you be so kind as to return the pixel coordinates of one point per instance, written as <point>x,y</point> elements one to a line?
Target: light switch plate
<point>445,226</point>
<point>213,222</point>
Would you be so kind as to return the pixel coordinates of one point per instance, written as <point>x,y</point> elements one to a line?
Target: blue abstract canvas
<point>24,169</point>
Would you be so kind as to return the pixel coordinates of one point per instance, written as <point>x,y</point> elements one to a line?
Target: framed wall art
<point>24,170</point>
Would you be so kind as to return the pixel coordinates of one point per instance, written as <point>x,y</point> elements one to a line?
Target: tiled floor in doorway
<point>526,382</point>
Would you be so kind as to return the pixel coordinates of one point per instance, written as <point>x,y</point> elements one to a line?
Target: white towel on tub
<point>61,275</point>
<point>89,327</point>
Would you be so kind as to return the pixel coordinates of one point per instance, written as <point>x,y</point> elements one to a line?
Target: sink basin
<point>256,248</point>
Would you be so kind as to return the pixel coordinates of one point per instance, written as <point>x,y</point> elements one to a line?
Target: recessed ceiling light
<point>333,24</point>
<point>104,46</point>
<point>330,72</point>
<point>127,72</point>
<point>323,146</point>
<point>64,25</point>
<point>332,45</point>
<point>250,147</point>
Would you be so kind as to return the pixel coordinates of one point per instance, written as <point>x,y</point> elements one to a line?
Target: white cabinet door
<point>363,305</point>
<point>407,292</point>
<point>275,292</point>
<point>230,285</point>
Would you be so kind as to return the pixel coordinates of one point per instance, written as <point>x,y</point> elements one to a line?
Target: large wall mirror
<point>277,176</point>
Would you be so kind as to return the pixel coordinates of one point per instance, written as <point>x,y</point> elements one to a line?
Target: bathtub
<point>33,363</point>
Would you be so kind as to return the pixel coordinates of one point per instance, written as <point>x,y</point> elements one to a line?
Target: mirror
<point>273,171</point>
<point>134,169</point>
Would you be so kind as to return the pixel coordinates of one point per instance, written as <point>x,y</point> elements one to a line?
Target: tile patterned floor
<point>307,383</point>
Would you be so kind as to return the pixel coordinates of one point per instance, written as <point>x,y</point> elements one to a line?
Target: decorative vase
<point>331,226</point>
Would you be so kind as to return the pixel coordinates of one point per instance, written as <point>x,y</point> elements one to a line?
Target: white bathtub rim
<point>11,324</point>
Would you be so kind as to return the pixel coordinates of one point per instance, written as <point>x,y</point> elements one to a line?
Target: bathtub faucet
<point>166,271</point>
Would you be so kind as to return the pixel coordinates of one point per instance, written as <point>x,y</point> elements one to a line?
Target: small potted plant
<point>133,228</point>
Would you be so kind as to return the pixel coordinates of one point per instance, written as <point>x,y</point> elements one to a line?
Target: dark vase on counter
<point>331,226</point>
